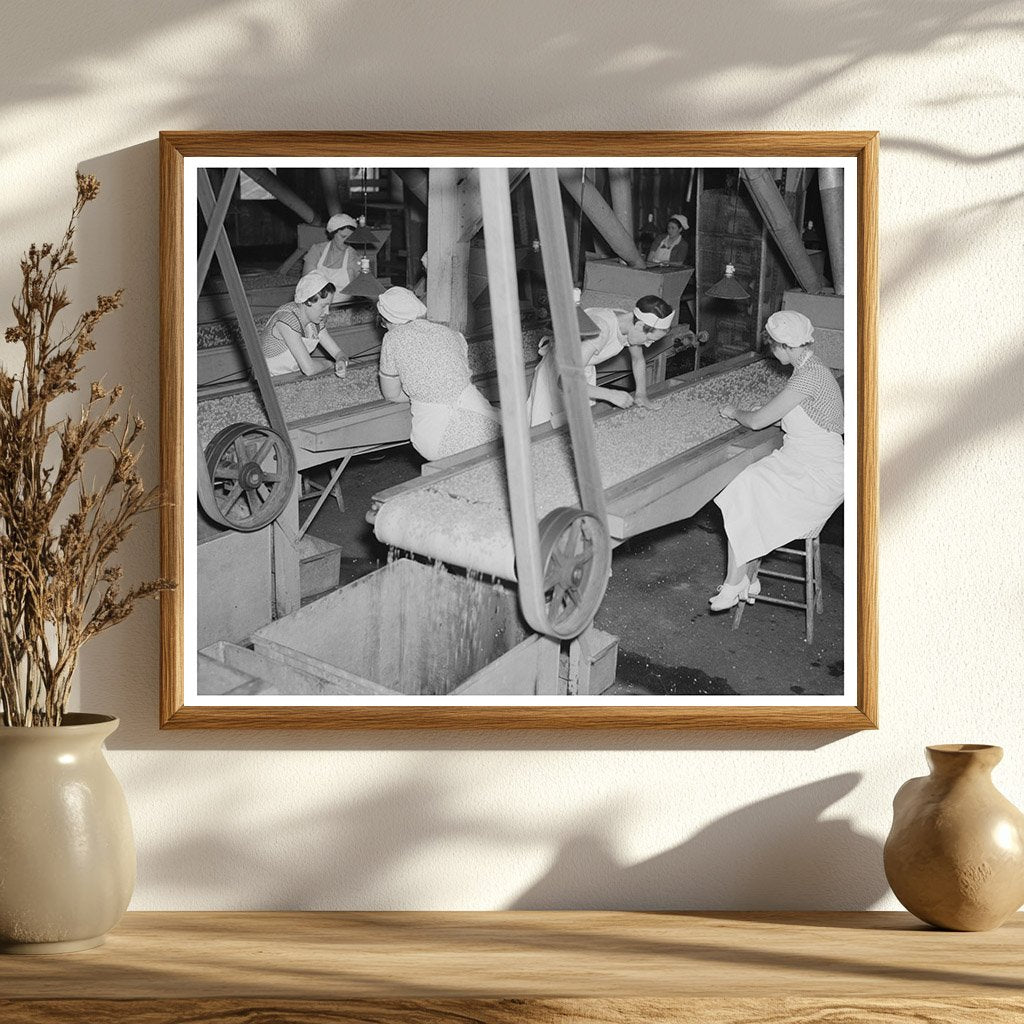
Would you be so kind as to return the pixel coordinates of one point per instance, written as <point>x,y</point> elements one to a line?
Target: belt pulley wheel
<point>576,555</point>
<point>252,470</point>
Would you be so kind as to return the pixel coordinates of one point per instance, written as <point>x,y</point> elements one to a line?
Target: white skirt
<point>786,496</point>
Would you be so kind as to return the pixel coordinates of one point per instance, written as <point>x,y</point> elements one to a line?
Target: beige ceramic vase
<point>955,854</point>
<point>67,856</point>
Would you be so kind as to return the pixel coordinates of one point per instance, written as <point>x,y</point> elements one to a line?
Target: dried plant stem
<point>58,587</point>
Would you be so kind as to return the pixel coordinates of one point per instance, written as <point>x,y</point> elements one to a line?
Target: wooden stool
<point>811,580</point>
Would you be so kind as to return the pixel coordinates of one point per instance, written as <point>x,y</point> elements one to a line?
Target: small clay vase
<point>67,857</point>
<point>955,854</point>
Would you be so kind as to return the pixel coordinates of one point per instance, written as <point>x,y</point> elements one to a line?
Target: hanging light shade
<point>364,285</point>
<point>363,238</point>
<point>728,287</point>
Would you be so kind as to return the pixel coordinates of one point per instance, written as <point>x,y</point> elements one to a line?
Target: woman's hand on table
<point>646,403</point>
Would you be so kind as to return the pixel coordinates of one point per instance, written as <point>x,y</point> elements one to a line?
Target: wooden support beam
<point>329,180</point>
<point>619,179</point>
<point>830,185</point>
<point>776,214</point>
<point>602,217</point>
<point>472,209</point>
<point>448,252</point>
<point>280,191</point>
<point>227,188</point>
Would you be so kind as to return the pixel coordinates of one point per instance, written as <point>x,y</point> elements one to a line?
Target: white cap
<point>310,285</point>
<point>653,320</point>
<point>683,222</point>
<point>790,328</point>
<point>341,220</point>
<point>398,306</point>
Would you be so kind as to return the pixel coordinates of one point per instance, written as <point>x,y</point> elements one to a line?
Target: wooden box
<point>416,629</point>
<point>821,310</point>
<point>319,566</point>
<point>234,595</point>
<point>612,277</point>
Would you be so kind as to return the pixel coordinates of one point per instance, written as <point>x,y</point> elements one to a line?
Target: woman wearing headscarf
<point>648,322</point>
<point>670,249</point>
<point>427,365</point>
<point>338,262</point>
<point>791,493</point>
<point>296,329</point>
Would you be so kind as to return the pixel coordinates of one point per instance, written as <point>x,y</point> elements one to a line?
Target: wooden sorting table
<point>666,493</point>
<point>510,968</point>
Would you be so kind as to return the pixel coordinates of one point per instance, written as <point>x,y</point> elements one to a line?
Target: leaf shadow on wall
<point>779,853</point>
<point>415,842</point>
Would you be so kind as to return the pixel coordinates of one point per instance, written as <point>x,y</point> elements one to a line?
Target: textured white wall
<point>748,820</point>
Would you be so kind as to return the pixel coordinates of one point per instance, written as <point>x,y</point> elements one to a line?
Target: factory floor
<point>656,603</point>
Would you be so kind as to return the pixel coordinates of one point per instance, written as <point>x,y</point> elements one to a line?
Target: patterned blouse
<point>288,314</point>
<point>431,361</point>
<point>824,401</point>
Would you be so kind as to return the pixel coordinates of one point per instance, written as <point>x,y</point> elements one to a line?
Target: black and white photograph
<point>573,433</point>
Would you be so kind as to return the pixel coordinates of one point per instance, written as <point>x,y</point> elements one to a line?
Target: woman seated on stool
<point>295,329</point>
<point>670,249</point>
<point>647,323</point>
<point>792,492</point>
<point>338,262</point>
<point>427,365</point>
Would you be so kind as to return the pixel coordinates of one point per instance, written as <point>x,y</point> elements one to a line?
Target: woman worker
<point>295,329</point>
<point>338,262</point>
<point>618,329</point>
<point>793,491</point>
<point>670,249</point>
<point>427,365</point>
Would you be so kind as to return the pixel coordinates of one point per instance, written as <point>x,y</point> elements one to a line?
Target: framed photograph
<point>519,430</point>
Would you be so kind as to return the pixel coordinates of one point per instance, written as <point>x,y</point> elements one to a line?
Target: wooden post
<point>287,596</point>
<point>602,217</point>
<point>280,191</point>
<point>329,180</point>
<point>776,214</point>
<point>448,254</point>
<point>601,249</point>
<point>830,185</point>
<point>622,197</point>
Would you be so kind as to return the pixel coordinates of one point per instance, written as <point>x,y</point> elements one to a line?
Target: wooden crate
<point>416,629</point>
<point>234,596</point>
<point>613,278</point>
<point>238,671</point>
<point>319,566</point>
<point>822,310</point>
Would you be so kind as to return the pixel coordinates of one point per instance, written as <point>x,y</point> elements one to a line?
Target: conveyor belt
<point>649,461</point>
<point>325,404</point>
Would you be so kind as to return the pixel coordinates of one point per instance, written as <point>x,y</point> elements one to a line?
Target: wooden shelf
<point>424,968</point>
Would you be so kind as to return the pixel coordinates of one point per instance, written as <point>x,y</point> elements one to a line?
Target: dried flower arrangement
<point>58,588</point>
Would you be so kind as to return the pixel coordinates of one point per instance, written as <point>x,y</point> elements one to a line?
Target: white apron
<point>430,420</point>
<point>284,362</point>
<point>545,401</point>
<point>789,494</point>
<point>338,276</point>
<point>664,251</point>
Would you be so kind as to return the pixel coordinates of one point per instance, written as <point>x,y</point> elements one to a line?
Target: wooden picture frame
<point>179,150</point>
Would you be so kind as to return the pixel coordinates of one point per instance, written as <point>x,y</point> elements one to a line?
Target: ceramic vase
<point>955,854</point>
<point>67,855</point>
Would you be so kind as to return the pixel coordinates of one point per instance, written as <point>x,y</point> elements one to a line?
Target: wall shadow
<point>777,854</point>
<point>388,848</point>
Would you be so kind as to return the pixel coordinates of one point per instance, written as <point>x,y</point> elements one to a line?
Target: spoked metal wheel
<point>252,471</point>
<point>577,555</point>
